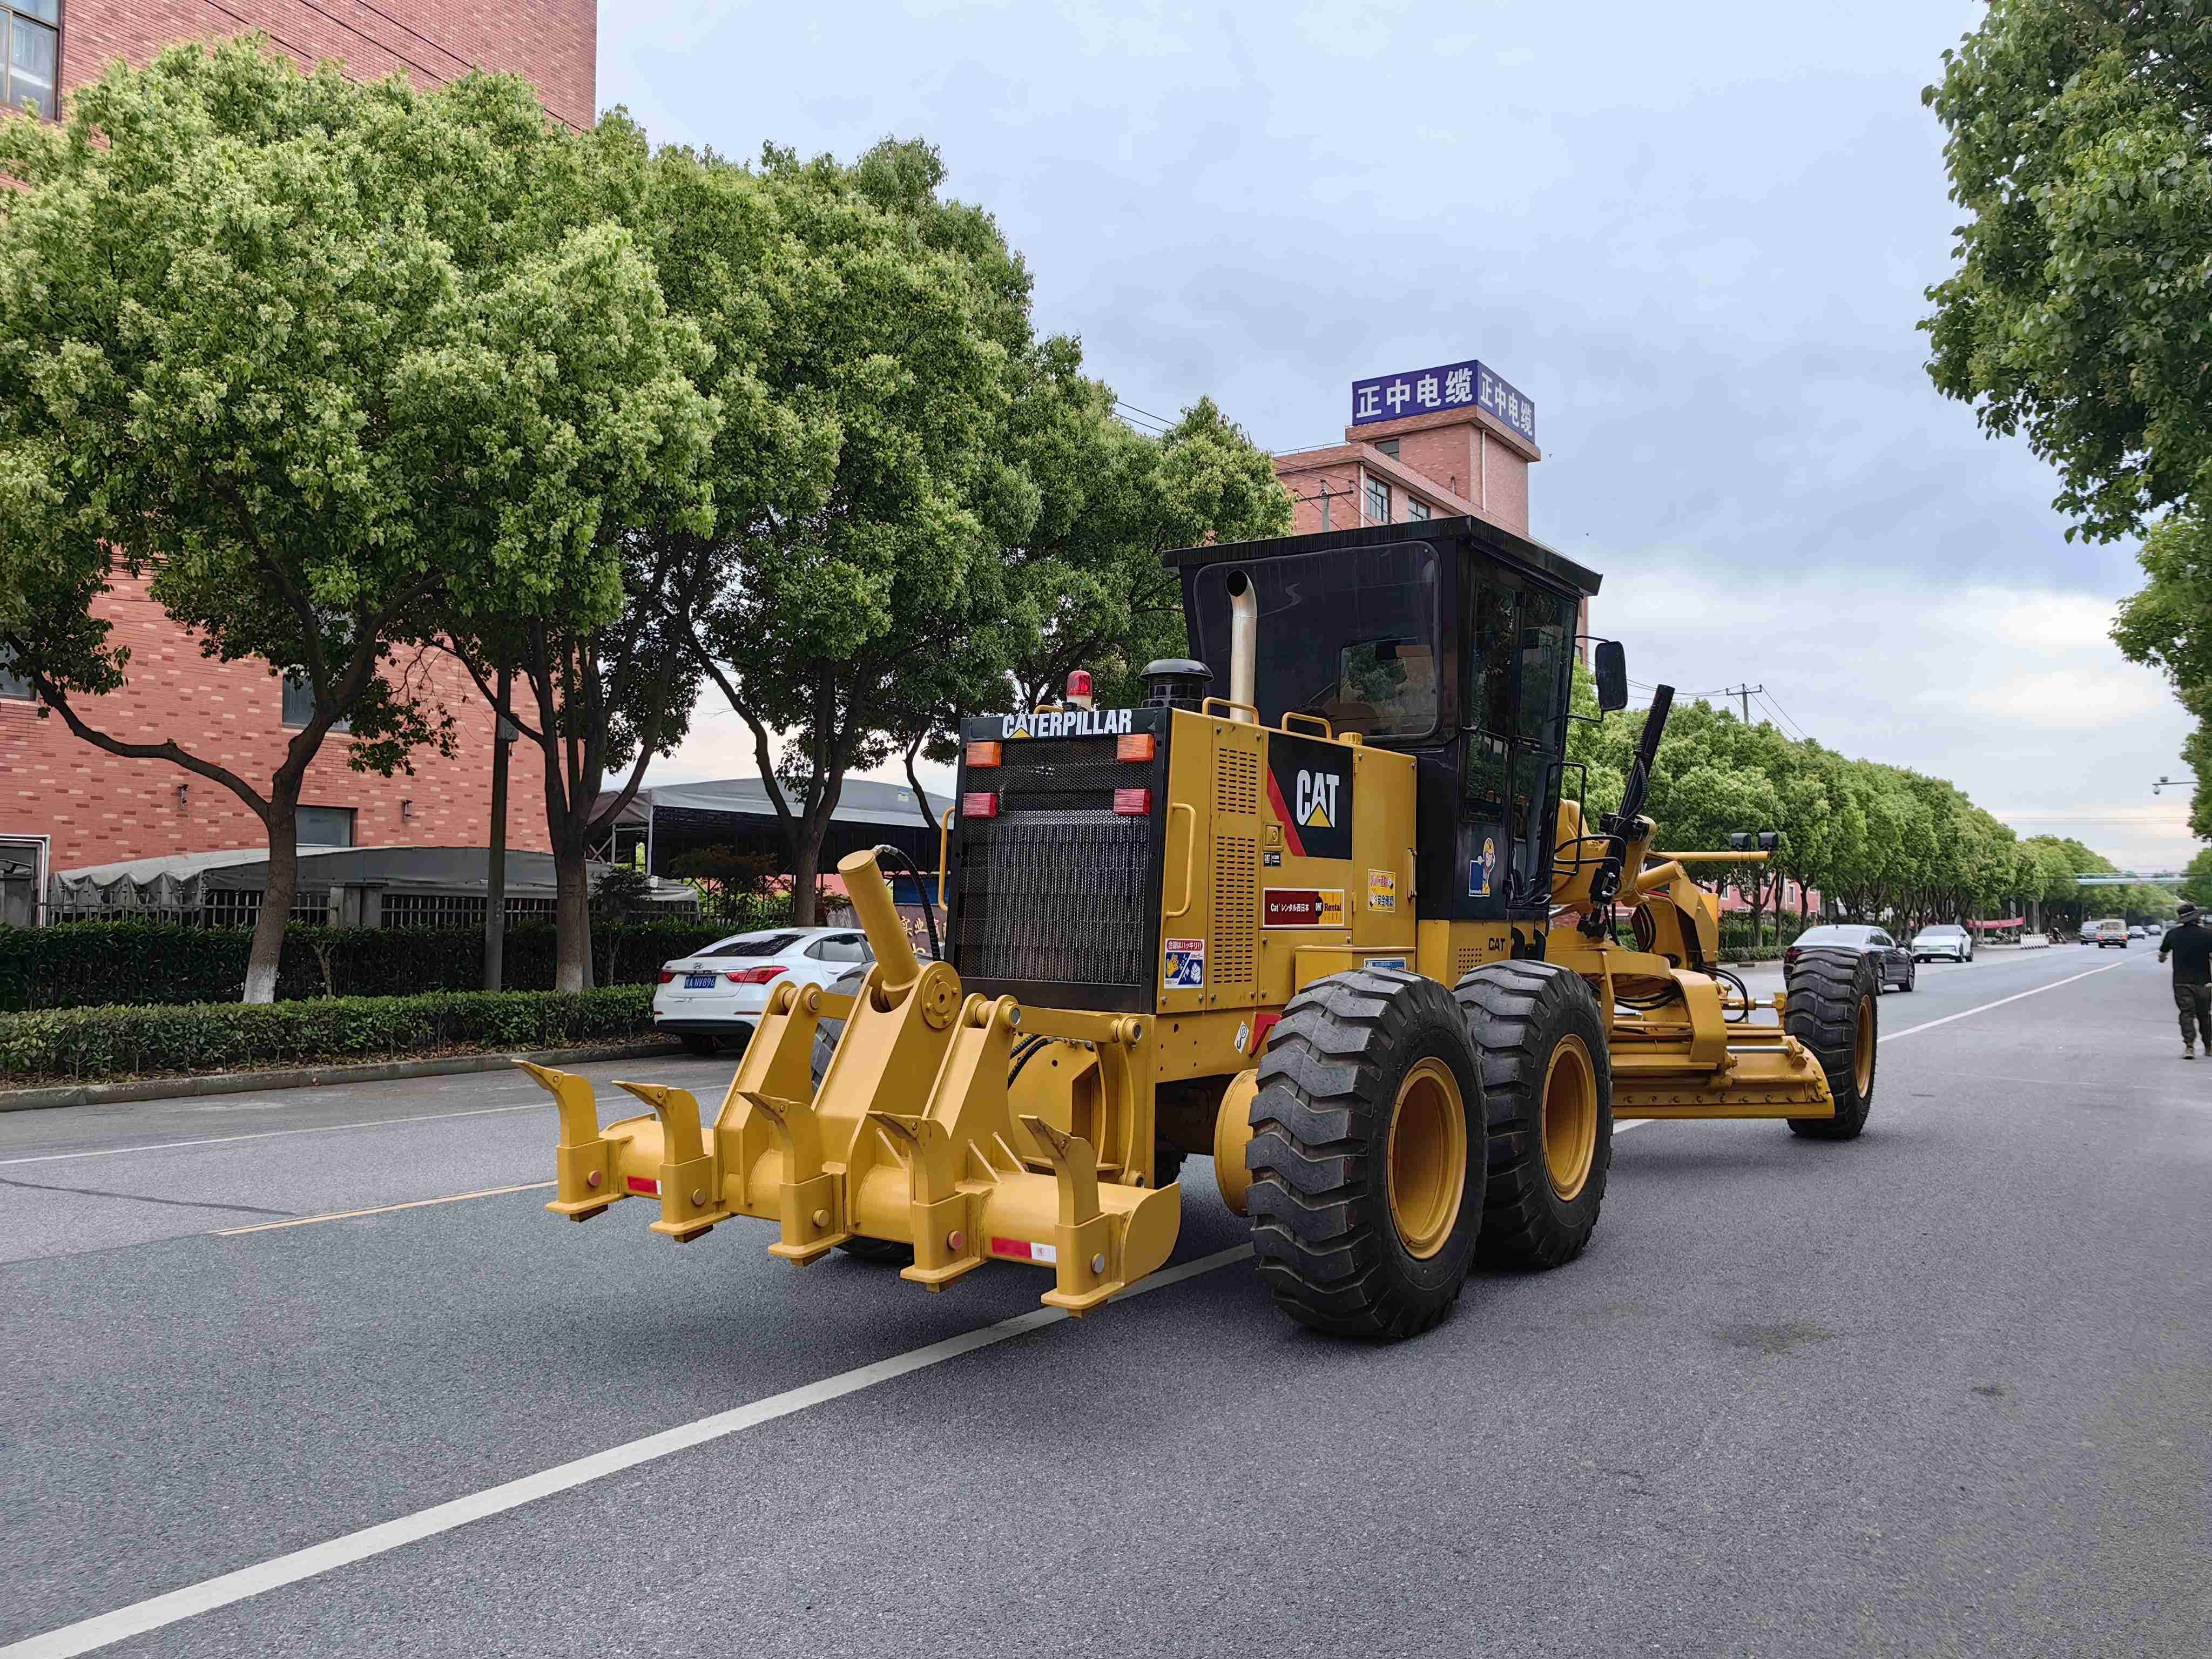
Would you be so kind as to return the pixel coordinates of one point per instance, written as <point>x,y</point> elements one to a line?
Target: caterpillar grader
<point>1345,930</point>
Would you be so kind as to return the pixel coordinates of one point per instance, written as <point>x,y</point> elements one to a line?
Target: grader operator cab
<point>1344,929</point>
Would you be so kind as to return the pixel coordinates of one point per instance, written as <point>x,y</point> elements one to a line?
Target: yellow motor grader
<point>1341,929</point>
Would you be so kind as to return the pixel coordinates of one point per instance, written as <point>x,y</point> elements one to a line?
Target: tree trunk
<point>806,869</point>
<point>267,953</point>
<point>503,752</point>
<point>573,915</point>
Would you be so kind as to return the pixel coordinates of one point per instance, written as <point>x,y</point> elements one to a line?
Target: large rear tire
<point>1367,1177</point>
<point>1832,1012</point>
<point>1547,1077</point>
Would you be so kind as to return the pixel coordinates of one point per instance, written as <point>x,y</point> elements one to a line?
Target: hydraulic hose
<point>928,910</point>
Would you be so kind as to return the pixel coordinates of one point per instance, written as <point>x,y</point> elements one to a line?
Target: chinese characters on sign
<point>1454,386</point>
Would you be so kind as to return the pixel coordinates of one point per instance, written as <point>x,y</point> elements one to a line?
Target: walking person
<point>2189,942</point>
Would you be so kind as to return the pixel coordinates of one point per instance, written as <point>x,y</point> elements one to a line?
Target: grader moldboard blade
<point>912,1137</point>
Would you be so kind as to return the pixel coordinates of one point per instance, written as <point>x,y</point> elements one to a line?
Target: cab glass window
<point>1350,636</point>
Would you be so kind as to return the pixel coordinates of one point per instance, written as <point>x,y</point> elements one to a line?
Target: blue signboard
<point>1453,386</point>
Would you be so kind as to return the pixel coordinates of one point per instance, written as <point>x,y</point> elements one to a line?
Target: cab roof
<point>1465,528</point>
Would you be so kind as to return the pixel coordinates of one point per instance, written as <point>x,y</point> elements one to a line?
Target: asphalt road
<point>1945,1390</point>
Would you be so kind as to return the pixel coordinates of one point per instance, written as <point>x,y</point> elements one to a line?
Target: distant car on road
<point>2110,930</point>
<point>1947,939</point>
<point>1894,968</point>
<point>2035,941</point>
<point>718,994</point>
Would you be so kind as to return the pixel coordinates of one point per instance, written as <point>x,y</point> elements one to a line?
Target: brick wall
<point>100,808</point>
<point>1450,462</point>
<point>554,42</point>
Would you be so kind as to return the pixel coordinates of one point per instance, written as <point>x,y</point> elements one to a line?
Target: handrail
<point>944,848</point>
<point>1206,707</point>
<point>1189,854</point>
<point>1327,730</point>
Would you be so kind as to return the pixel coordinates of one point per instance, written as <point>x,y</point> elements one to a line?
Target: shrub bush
<point>90,1045</point>
<point>84,964</point>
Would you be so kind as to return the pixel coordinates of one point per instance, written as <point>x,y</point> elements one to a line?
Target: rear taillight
<point>1132,802</point>
<point>666,976</point>
<point>985,754</point>
<point>1134,747</point>
<point>753,975</point>
<point>978,806</point>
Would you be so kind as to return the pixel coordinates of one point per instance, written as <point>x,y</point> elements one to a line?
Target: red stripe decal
<point>651,1188</point>
<point>1290,837</point>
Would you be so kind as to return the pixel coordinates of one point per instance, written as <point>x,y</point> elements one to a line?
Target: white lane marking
<point>317,1558</point>
<point>272,1134</point>
<point>1968,1013</point>
<point>381,1209</point>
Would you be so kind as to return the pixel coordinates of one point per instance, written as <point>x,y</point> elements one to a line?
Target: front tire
<point>1367,1181</point>
<point>1548,1078</point>
<point>1832,1012</point>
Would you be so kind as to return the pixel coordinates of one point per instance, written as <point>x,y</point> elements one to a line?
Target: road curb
<point>307,1076</point>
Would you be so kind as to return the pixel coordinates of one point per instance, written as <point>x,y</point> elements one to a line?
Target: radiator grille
<point>1067,774</point>
<point>1235,910</point>
<point>1062,896</point>
<point>1237,781</point>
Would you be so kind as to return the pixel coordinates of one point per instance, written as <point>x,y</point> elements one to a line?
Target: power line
<point>1802,735</point>
<point>1146,413</point>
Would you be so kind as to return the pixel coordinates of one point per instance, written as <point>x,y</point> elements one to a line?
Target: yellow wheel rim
<point>1862,1049</point>
<point>1570,1116</point>
<point>1427,1157</point>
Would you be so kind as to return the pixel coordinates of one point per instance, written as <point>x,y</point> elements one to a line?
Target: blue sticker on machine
<point>1482,866</point>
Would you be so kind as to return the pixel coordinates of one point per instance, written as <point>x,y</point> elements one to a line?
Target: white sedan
<point>720,992</point>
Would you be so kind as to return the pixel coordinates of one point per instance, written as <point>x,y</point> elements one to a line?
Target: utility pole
<point>502,746</point>
<point>1325,497</point>
<point>1744,692</point>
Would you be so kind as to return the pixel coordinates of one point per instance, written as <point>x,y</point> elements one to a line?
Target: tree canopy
<point>309,354</point>
<point>1877,840</point>
<point>2081,312</point>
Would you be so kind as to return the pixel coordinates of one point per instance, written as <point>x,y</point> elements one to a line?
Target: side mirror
<point>1739,843</point>
<point>1609,667</point>
<point>1769,840</point>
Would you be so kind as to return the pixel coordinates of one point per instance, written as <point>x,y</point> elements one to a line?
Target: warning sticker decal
<point>1382,890</point>
<point>1185,970</point>
<point>1302,907</point>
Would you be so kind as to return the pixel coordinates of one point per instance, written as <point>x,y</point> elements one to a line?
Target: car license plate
<point>698,981</point>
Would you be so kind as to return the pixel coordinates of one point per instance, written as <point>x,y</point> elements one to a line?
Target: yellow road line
<point>381,1209</point>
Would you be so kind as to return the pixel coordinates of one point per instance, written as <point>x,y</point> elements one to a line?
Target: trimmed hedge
<point>146,964</point>
<point>91,1044</point>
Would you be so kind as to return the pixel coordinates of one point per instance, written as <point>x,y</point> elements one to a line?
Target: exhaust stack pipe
<point>1243,646</point>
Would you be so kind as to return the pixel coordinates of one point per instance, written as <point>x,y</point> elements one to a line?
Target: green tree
<point>2197,888</point>
<point>306,355</point>
<point>2077,314</point>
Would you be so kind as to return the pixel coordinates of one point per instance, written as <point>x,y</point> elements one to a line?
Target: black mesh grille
<point>1068,774</point>
<point>1060,896</point>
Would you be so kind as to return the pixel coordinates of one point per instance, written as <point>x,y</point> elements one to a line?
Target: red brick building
<point>1437,463</point>
<point>90,807</point>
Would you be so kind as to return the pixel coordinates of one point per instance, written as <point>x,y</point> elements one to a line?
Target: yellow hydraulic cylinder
<point>896,965</point>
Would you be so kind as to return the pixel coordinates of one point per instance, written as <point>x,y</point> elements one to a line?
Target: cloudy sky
<point>1696,236</point>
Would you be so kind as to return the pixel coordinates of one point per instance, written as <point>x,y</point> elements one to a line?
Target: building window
<point>1378,502</point>
<point>326,826</point>
<point>1416,508</point>
<point>14,688</point>
<point>1388,446</point>
<point>35,53</point>
<point>300,703</point>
